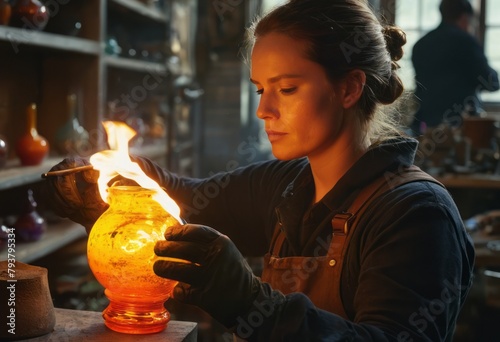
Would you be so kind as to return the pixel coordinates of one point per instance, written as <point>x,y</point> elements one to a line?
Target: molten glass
<point>121,254</point>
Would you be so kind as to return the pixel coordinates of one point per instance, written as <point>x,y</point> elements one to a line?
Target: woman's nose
<point>267,108</point>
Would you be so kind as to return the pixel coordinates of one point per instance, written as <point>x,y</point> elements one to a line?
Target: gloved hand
<point>218,279</point>
<point>75,195</point>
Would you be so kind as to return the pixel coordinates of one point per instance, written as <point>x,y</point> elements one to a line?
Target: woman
<point>402,268</point>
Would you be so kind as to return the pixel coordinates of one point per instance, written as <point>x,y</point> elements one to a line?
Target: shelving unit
<point>141,9</point>
<point>13,174</point>
<point>135,65</point>
<point>44,67</point>
<point>20,39</point>
<point>57,236</point>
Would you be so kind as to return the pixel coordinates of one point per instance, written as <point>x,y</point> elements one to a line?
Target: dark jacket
<point>408,266</point>
<point>451,70</point>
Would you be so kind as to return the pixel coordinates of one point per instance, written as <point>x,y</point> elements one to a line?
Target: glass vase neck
<point>71,103</point>
<point>31,116</point>
<point>131,197</point>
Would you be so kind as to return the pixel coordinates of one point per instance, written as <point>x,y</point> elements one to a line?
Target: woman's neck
<point>328,167</point>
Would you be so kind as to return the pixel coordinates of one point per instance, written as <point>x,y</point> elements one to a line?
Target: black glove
<point>75,195</point>
<point>217,279</point>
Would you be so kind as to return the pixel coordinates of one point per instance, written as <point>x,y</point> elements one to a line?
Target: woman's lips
<point>274,135</point>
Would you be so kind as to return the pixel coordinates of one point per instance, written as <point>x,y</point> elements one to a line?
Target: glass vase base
<point>136,317</point>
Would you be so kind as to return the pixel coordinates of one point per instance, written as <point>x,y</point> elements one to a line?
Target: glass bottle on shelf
<point>5,12</point>
<point>29,225</point>
<point>29,14</point>
<point>72,138</point>
<point>31,148</point>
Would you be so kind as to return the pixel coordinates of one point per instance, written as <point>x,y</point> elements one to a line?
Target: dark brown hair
<point>451,10</point>
<point>343,35</point>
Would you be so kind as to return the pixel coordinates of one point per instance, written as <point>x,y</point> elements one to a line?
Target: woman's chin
<point>284,155</point>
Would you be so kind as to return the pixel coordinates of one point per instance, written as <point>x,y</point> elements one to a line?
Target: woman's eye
<point>259,91</point>
<point>288,91</point>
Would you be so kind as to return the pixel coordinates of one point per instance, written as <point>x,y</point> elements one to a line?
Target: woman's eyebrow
<point>278,78</point>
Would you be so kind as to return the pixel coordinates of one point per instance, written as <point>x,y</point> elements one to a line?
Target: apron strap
<point>278,236</point>
<point>278,241</point>
<point>344,224</point>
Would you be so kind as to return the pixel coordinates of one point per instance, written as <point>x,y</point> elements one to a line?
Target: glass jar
<point>121,254</point>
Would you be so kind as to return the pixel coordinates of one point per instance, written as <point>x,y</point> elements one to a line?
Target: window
<point>417,18</point>
<point>492,48</point>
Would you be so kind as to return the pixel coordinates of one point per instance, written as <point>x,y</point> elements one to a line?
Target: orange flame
<point>116,161</point>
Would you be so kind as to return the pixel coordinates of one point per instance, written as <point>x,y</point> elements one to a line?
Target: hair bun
<point>395,38</point>
<point>391,92</point>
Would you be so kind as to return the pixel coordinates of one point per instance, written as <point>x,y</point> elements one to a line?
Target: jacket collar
<point>380,158</point>
<point>384,157</point>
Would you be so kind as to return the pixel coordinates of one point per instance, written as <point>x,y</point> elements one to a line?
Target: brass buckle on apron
<point>341,223</point>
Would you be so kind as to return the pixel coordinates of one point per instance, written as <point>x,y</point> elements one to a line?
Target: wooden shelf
<point>478,181</point>
<point>57,236</point>
<point>141,9</point>
<point>13,174</point>
<point>135,65</point>
<point>19,38</point>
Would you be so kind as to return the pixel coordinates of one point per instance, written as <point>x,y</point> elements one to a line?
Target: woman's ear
<point>353,85</point>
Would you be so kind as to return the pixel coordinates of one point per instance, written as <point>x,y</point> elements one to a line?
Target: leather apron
<point>318,277</point>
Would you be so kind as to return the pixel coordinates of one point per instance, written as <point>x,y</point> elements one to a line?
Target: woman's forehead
<point>277,54</point>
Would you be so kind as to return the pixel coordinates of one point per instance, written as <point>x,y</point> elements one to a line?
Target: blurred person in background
<point>451,70</point>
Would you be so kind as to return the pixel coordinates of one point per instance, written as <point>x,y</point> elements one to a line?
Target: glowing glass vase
<point>121,254</point>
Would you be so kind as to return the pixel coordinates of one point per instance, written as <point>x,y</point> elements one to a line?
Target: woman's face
<point>297,101</point>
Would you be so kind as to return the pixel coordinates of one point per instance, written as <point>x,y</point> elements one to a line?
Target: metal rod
<point>67,171</point>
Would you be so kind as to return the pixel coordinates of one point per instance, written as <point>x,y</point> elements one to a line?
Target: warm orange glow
<point>120,254</point>
<point>120,246</point>
<point>116,161</point>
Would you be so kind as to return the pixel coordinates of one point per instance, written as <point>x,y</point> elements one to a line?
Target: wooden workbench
<point>85,326</point>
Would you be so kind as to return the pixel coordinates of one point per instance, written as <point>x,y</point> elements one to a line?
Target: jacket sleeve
<point>275,317</point>
<point>405,278</point>
<point>239,203</point>
<point>479,68</point>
